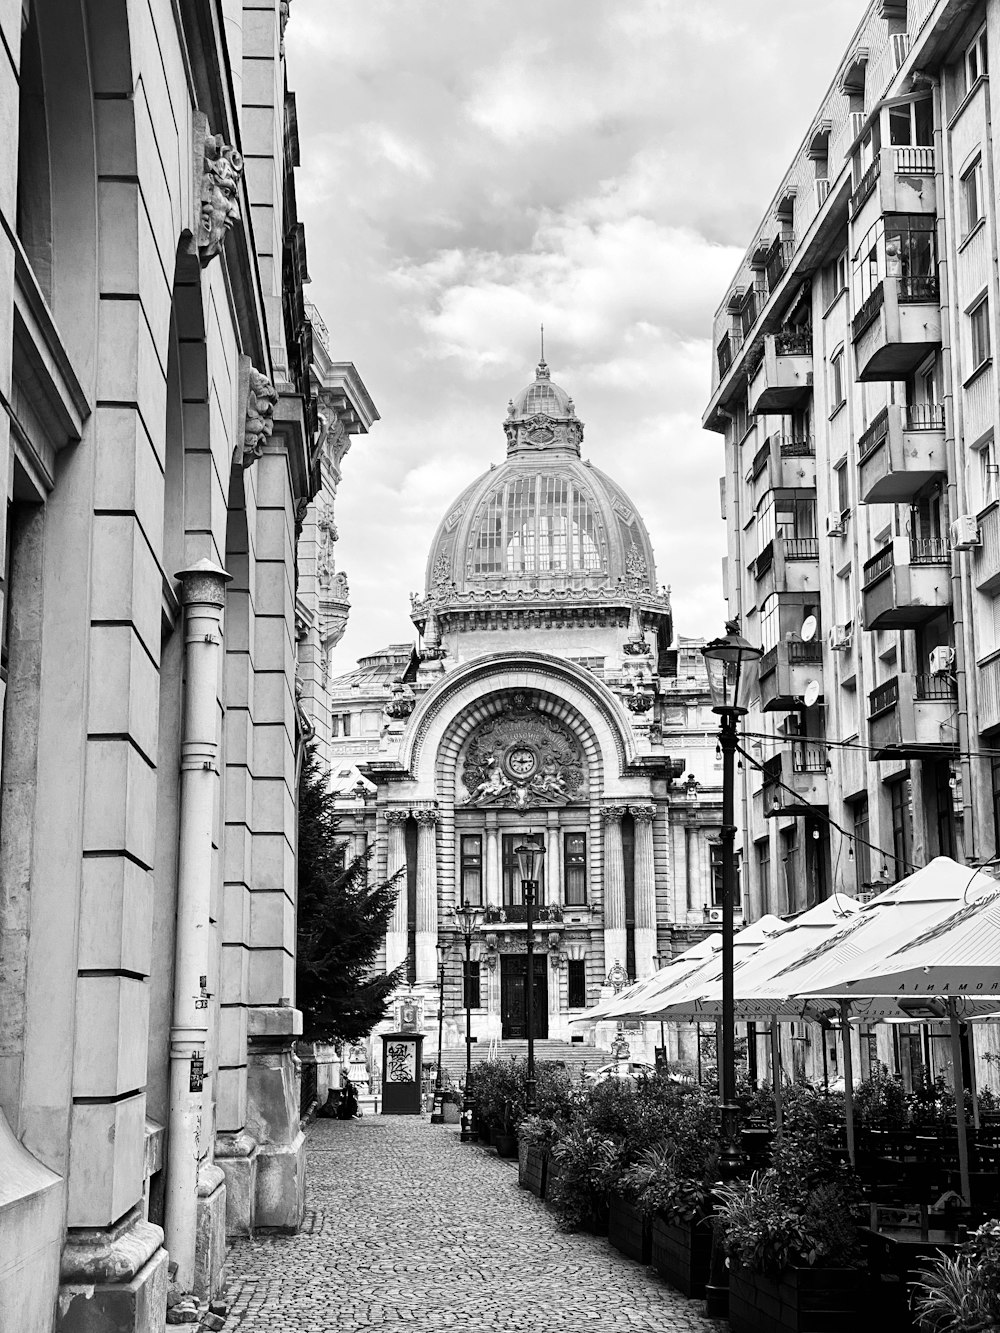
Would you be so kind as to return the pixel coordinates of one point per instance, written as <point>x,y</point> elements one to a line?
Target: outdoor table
<point>895,1254</point>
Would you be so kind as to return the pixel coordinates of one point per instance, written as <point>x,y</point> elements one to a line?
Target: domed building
<point>545,702</point>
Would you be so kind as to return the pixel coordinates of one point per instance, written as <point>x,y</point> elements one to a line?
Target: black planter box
<point>505,1144</point>
<point>531,1169</point>
<point>628,1230</point>
<point>682,1253</point>
<point>799,1300</point>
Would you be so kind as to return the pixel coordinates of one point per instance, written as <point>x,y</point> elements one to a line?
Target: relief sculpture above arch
<point>522,759</point>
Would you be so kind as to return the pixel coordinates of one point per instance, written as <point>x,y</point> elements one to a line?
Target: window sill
<point>969,235</point>
<point>979,370</point>
<point>983,78</point>
<point>838,409</point>
<point>835,302</point>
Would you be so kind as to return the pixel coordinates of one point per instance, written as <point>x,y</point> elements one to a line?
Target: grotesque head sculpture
<point>261,400</point>
<point>222,169</point>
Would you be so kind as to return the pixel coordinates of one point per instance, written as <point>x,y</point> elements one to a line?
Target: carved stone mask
<point>223,167</point>
<point>261,401</point>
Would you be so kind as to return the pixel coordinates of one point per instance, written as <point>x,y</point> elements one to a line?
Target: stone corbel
<point>218,169</point>
<point>257,401</point>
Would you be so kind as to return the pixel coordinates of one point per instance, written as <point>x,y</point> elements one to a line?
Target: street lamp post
<point>437,1114</point>
<point>529,859</point>
<point>467,919</point>
<point>731,663</point>
<point>659,962</point>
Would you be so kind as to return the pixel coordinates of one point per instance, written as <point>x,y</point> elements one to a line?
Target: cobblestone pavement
<point>407,1228</point>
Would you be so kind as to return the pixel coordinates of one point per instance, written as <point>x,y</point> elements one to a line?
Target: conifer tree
<point>341,923</point>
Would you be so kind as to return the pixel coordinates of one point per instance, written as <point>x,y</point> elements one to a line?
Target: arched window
<point>537,524</point>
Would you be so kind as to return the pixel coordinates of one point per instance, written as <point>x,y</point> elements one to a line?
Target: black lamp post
<point>467,918</point>
<point>529,859</point>
<point>732,674</point>
<point>437,1115</point>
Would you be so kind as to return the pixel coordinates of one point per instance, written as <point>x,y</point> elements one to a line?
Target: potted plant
<point>451,1106</point>
<point>536,1135</point>
<point>505,1135</point>
<point>961,1294</point>
<point>790,1233</point>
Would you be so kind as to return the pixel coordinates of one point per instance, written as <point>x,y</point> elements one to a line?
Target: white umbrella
<point>682,965</point>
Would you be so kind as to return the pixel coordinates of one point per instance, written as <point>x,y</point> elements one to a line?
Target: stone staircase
<point>575,1055</point>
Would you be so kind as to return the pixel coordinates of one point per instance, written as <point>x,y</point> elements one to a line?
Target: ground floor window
<point>576,977</point>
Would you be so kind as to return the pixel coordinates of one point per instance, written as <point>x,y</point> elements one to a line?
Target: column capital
<point>613,814</point>
<point>427,816</point>
<point>396,816</point>
<point>643,813</point>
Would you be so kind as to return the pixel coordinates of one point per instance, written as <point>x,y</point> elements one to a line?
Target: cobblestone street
<point>408,1228</point>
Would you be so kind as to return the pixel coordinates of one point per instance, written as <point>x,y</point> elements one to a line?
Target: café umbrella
<point>681,966</point>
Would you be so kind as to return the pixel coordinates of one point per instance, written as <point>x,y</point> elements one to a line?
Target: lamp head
<point>732,670</point>
<point>529,860</point>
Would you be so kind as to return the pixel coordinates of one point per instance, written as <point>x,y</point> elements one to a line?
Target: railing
<point>516,913</point>
<point>865,185</point>
<point>883,697</point>
<point>868,312</point>
<point>778,258</point>
<point>798,447</point>
<point>923,416</point>
<point>915,288</point>
<point>724,352</point>
<point>929,685</point>
<point>793,342</point>
<point>929,551</point>
<point>768,662</point>
<point>900,47</point>
<point>869,441</point>
<point>809,757</point>
<point>764,561</point>
<point>877,567</point>
<point>822,185</point>
<point>913,161</point>
<point>801,548</point>
<point>800,651</point>
<point>753,304</point>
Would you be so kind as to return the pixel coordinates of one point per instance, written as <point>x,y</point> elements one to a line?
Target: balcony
<point>986,556</point>
<point>989,692</point>
<point>787,564</point>
<point>783,380</point>
<point>728,347</point>
<point>900,452</point>
<point>786,673</point>
<point>896,328</point>
<point>795,780</point>
<point>913,715</point>
<point>778,257</point>
<point>907,583</point>
<point>784,462</point>
<point>904,180</point>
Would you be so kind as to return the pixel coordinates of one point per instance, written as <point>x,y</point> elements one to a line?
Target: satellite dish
<point>809,629</point>
<point>812,693</point>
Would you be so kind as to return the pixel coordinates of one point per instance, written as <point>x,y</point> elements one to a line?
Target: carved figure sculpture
<point>221,171</point>
<point>261,401</point>
<point>522,758</point>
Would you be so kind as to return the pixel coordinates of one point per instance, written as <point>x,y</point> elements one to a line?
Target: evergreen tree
<point>341,923</point>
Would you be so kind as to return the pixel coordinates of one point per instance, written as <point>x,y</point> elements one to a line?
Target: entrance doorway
<point>513,1016</point>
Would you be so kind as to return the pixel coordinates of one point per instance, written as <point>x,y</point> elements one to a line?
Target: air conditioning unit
<point>836,525</point>
<point>839,638</point>
<point>715,914</point>
<point>942,660</point>
<point>965,532</point>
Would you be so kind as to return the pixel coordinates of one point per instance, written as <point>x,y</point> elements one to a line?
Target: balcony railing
<point>913,161</point>
<point>809,757</point>
<point>760,460</point>
<point>801,548</point>
<point>868,312</point>
<point>877,567</point>
<point>799,651</point>
<point>874,435</point>
<point>918,288</point>
<point>883,697</point>
<point>753,304</point>
<point>793,342</point>
<point>929,551</point>
<point>865,185</point>
<point>934,686</point>
<point>516,913</point>
<point>768,662</point>
<point>778,258</point>
<point>798,446</point>
<point>725,352</point>
<point>923,416</point>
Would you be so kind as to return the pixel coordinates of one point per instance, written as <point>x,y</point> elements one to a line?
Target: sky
<point>472,169</point>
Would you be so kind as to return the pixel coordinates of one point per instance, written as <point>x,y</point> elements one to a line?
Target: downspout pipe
<point>203,596</point>
<point>961,590</point>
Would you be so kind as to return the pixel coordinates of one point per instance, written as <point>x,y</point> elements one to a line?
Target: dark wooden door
<point>513,1016</point>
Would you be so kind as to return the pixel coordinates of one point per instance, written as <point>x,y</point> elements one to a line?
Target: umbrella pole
<point>826,1063</point>
<point>960,1121</point>
<point>845,1034</point>
<point>776,1075</point>
<point>970,1036</point>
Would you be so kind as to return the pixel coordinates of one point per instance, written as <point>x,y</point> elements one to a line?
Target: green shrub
<point>962,1294</point>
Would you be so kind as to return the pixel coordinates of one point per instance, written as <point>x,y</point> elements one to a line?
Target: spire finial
<point>542,373</point>
<point>542,327</point>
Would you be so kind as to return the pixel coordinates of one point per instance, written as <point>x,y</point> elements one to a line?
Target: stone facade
<point>546,699</point>
<point>154,367</point>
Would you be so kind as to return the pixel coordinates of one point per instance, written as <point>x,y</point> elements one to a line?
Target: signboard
<point>401,1062</point>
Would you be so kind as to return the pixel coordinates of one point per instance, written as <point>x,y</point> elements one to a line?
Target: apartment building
<point>853,382</point>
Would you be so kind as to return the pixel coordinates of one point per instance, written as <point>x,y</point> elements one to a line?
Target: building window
<point>976,60</point>
<point>471,998</point>
<point>902,826</point>
<point>972,197</point>
<point>988,471</point>
<point>575,869</point>
<point>860,849</point>
<point>837,392</point>
<point>843,487</point>
<point>764,871</point>
<point>340,724</point>
<point>979,331</point>
<point>944,809</point>
<point>472,869</point>
<point>512,895</point>
<point>576,983</point>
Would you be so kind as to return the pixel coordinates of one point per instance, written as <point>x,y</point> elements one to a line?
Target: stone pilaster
<point>553,861</point>
<point>615,937</point>
<point>427,822</point>
<point>645,889</point>
<point>493,886</point>
<point>396,940</point>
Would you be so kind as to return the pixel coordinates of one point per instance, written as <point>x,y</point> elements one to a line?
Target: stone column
<point>396,942</point>
<point>645,889</point>
<point>494,893</point>
<point>615,938</point>
<point>427,821</point>
<point>553,862</point>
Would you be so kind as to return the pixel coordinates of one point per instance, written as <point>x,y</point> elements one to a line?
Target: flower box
<point>628,1229</point>
<point>531,1168</point>
<point>505,1144</point>
<point>682,1253</point>
<point>798,1300</point>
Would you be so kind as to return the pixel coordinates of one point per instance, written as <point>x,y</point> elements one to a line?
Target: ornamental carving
<point>261,401</point>
<point>636,571</point>
<point>522,759</point>
<point>221,169</point>
<point>396,816</point>
<point>442,571</point>
<point>401,705</point>
<point>644,814</point>
<point>427,816</point>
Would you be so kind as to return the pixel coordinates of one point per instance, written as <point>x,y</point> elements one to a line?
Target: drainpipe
<point>203,596</point>
<point>961,590</point>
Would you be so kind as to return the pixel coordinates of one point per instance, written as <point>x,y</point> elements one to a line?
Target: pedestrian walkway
<point>407,1228</point>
